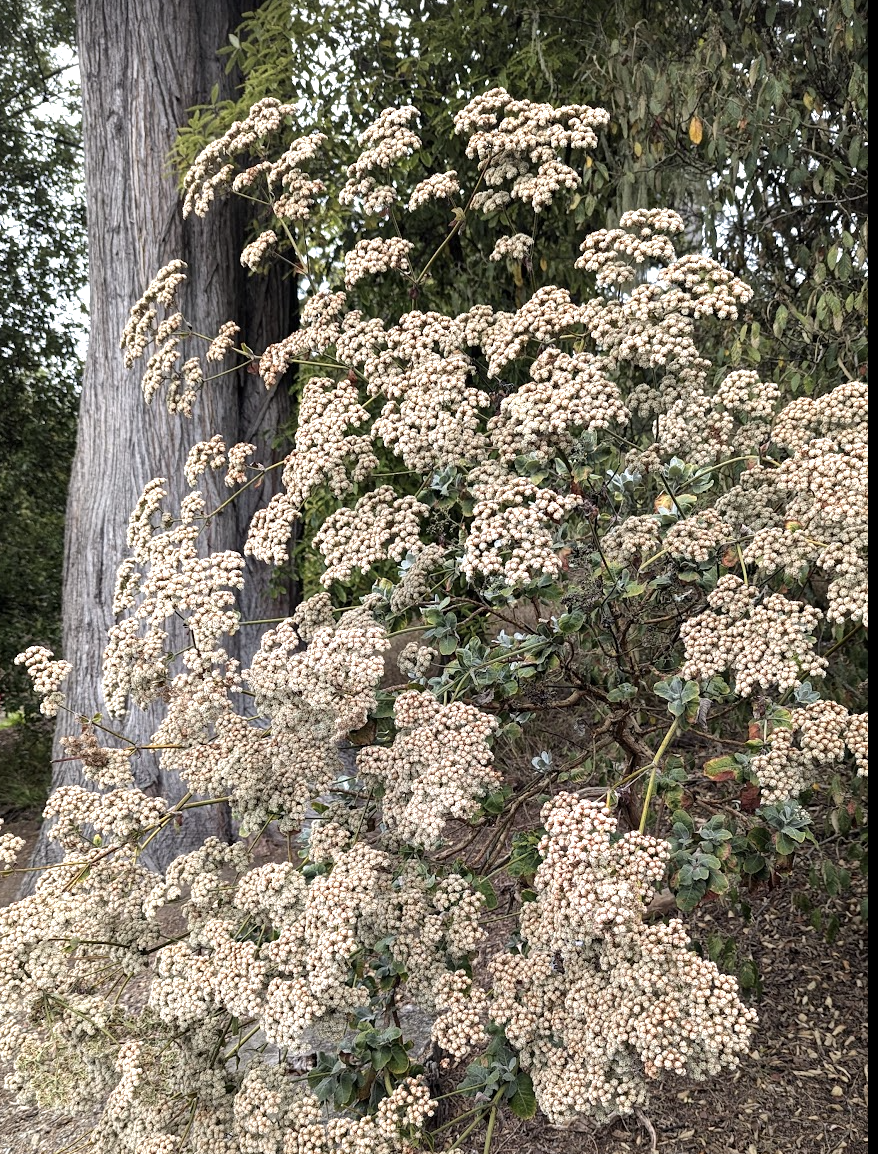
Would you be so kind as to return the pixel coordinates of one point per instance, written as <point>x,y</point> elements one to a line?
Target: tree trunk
<point>144,63</point>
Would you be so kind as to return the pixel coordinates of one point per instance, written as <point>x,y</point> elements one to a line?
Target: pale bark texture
<point>144,63</point>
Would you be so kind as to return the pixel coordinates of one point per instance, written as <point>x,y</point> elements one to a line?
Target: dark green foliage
<point>42,275</point>
<point>750,117</point>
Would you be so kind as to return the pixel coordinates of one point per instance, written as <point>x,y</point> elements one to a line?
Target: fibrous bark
<point>144,63</point>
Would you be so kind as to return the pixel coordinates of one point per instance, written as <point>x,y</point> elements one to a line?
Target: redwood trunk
<point>144,64</point>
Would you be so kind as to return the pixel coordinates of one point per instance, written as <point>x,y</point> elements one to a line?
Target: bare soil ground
<point>803,1091</point>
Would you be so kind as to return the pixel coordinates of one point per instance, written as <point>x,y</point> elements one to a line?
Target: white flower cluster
<point>380,525</point>
<point>320,327</point>
<point>615,254</point>
<point>816,738</point>
<point>517,247</point>
<point>634,541</point>
<point>438,766</point>
<point>414,660</point>
<point>10,847</point>
<point>517,143</point>
<point>439,186</point>
<point>601,999</point>
<point>697,538</point>
<point>144,328</point>
<point>385,143</point>
<point>174,582</point>
<point>114,815</point>
<point>104,765</point>
<point>254,255</point>
<point>337,672</point>
<point>414,584</point>
<point>298,190</point>
<point>462,1010</point>
<point>203,456</point>
<point>565,395</point>
<point>765,641</point>
<point>213,169</point>
<point>324,453</point>
<point>223,343</point>
<point>511,532</point>
<point>825,492</point>
<point>274,1115</point>
<point>376,255</point>
<point>549,313</point>
<point>46,675</point>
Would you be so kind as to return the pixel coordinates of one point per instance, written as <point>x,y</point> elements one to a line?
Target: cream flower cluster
<point>463,1008</point>
<point>104,765</point>
<point>223,343</point>
<point>254,255</point>
<point>336,673</point>
<point>697,538</point>
<point>203,456</point>
<point>601,999</point>
<point>439,186</point>
<point>385,143</point>
<point>10,847</point>
<point>414,584</point>
<point>175,582</point>
<point>816,738</point>
<point>380,525</point>
<point>643,236</point>
<point>511,532</point>
<point>46,676</point>
<point>298,190</point>
<point>415,660</point>
<point>825,486</point>
<point>301,971</point>
<point>320,327</point>
<point>274,1114</point>
<point>376,255</point>
<point>517,247</point>
<point>438,420</point>
<point>548,313</point>
<point>213,169</point>
<point>144,329</point>
<point>113,815</point>
<point>634,541</point>
<point>765,641</point>
<point>325,453</point>
<point>438,766</point>
<point>565,394</point>
<point>141,328</point>
<point>517,143</point>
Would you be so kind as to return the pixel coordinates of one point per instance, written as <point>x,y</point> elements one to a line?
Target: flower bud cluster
<point>517,143</point>
<point>438,766</point>
<point>213,169</point>
<point>765,641</point>
<point>385,143</point>
<point>46,676</point>
<point>602,1001</point>
<point>377,255</point>
<point>510,535</point>
<point>380,525</point>
<point>565,394</point>
<point>814,740</point>
<point>324,453</point>
<point>517,247</point>
<point>439,186</point>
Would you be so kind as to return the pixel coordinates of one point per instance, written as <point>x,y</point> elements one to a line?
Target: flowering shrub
<point>582,514</point>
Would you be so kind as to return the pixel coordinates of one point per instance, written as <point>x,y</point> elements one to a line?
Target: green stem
<point>489,1134</point>
<point>650,789</point>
